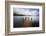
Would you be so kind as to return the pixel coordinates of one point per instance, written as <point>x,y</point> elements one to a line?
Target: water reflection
<point>19,21</point>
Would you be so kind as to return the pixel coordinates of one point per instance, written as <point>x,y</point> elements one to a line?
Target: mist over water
<point>19,21</point>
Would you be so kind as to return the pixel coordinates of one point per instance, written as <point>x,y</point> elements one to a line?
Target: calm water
<point>19,21</point>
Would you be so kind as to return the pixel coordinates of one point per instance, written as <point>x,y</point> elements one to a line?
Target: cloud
<point>26,11</point>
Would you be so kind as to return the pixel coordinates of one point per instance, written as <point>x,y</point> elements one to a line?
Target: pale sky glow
<point>26,11</point>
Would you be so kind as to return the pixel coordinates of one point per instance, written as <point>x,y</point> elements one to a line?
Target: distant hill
<point>22,15</point>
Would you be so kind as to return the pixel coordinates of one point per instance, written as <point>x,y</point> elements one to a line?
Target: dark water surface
<point>18,21</point>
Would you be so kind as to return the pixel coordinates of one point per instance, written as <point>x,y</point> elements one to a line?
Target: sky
<point>26,11</point>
